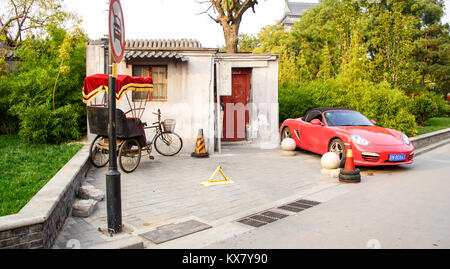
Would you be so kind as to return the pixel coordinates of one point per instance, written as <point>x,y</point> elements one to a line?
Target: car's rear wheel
<point>338,147</point>
<point>286,133</point>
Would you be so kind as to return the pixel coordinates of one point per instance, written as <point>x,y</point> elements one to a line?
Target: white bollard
<point>330,164</point>
<point>288,147</point>
<point>330,160</point>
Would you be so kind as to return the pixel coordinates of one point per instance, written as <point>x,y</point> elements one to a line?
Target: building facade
<point>189,79</point>
<point>293,11</point>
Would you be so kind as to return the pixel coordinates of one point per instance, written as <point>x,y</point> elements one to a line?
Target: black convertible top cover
<point>312,113</point>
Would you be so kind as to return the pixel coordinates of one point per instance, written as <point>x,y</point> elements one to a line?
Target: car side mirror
<point>373,122</point>
<point>316,122</point>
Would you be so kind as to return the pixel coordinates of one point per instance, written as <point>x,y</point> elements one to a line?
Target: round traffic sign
<point>116,30</point>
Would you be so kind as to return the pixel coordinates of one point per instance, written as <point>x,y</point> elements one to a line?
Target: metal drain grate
<point>274,215</point>
<point>252,222</point>
<point>299,205</point>
<point>262,218</point>
<point>308,202</point>
<point>291,208</point>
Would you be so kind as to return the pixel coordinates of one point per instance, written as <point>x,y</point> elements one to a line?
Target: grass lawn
<point>434,124</point>
<point>25,168</point>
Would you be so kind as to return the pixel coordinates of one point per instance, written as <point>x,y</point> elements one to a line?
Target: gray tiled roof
<point>136,55</point>
<point>299,8</point>
<point>162,44</point>
<point>9,54</point>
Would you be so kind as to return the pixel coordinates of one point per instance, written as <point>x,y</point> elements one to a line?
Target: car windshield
<point>346,118</point>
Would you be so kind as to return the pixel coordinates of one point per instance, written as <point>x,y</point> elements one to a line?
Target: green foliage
<point>365,55</point>
<point>40,124</point>
<point>426,106</point>
<point>434,124</point>
<point>272,38</point>
<point>379,102</point>
<point>431,54</point>
<point>247,42</point>
<point>22,19</point>
<point>47,84</point>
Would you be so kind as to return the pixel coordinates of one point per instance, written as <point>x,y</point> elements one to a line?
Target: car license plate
<point>397,157</point>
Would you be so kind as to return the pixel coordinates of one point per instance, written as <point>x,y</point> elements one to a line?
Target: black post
<point>113,193</point>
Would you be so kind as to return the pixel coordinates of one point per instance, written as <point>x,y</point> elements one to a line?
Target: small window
<point>159,76</point>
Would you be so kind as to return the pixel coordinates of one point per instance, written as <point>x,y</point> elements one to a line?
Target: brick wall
<point>28,237</point>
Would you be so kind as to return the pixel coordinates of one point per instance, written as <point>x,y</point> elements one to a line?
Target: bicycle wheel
<point>168,144</point>
<point>98,152</point>
<point>129,155</point>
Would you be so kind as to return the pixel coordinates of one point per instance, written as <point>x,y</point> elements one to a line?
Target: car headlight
<point>360,141</point>
<point>405,139</point>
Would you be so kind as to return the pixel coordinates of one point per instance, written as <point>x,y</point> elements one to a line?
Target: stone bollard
<point>330,164</point>
<point>288,147</point>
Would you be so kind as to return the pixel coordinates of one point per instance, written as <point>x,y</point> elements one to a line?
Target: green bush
<point>9,124</point>
<point>388,107</point>
<point>40,79</point>
<point>40,124</point>
<point>425,106</point>
<point>442,105</point>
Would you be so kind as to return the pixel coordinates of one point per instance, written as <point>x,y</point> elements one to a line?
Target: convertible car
<point>326,129</point>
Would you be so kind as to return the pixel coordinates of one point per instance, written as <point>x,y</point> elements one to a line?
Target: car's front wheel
<point>286,133</point>
<point>338,147</point>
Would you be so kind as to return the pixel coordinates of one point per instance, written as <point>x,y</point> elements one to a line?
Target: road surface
<point>395,207</point>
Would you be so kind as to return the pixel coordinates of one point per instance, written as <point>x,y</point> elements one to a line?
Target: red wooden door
<point>235,116</point>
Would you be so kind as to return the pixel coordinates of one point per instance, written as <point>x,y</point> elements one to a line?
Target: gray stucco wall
<point>191,94</point>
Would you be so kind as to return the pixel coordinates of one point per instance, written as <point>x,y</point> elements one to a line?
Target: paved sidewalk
<point>168,190</point>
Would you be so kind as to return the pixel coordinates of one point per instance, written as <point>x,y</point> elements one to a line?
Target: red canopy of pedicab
<point>97,83</point>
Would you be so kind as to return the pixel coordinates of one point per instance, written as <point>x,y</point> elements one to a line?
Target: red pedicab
<point>130,131</point>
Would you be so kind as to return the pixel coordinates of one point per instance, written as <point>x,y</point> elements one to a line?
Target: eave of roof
<point>140,54</point>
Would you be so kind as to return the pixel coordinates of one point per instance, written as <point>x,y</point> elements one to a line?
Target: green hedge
<point>388,107</point>
<point>42,125</point>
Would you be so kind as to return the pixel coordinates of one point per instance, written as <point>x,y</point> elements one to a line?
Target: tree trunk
<point>229,17</point>
<point>231,33</point>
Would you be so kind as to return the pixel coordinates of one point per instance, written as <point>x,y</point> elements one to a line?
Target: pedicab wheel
<point>98,153</point>
<point>129,155</point>
<point>168,144</point>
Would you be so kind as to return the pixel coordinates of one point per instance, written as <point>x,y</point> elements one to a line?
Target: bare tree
<point>19,17</point>
<point>228,13</point>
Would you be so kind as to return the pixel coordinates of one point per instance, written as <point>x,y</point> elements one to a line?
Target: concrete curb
<point>425,140</point>
<point>39,221</point>
<point>124,243</point>
<point>431,147</point>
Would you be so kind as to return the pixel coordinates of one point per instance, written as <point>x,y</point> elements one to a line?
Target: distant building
<point>293,11</point>
<point>9,55</point>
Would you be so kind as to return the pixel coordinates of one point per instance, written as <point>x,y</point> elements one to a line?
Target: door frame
<point>238,71</point>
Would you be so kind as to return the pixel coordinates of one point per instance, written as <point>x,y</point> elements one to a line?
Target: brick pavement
<point>168,190</point>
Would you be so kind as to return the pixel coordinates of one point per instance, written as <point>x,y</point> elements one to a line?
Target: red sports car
<point>326,129</point>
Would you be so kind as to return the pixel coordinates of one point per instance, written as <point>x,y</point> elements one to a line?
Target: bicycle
<point>165,140</point>
<point>131,142</point>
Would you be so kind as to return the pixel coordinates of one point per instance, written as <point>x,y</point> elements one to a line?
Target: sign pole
<point>113,188</point>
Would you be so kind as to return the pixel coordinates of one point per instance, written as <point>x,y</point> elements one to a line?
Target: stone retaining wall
<point>424,140</point>
<point>38,223</point>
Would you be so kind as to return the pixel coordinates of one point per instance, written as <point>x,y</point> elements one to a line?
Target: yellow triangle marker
<point>211,181</point>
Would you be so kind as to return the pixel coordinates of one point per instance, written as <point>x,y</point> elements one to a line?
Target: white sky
<point>176,19</point>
